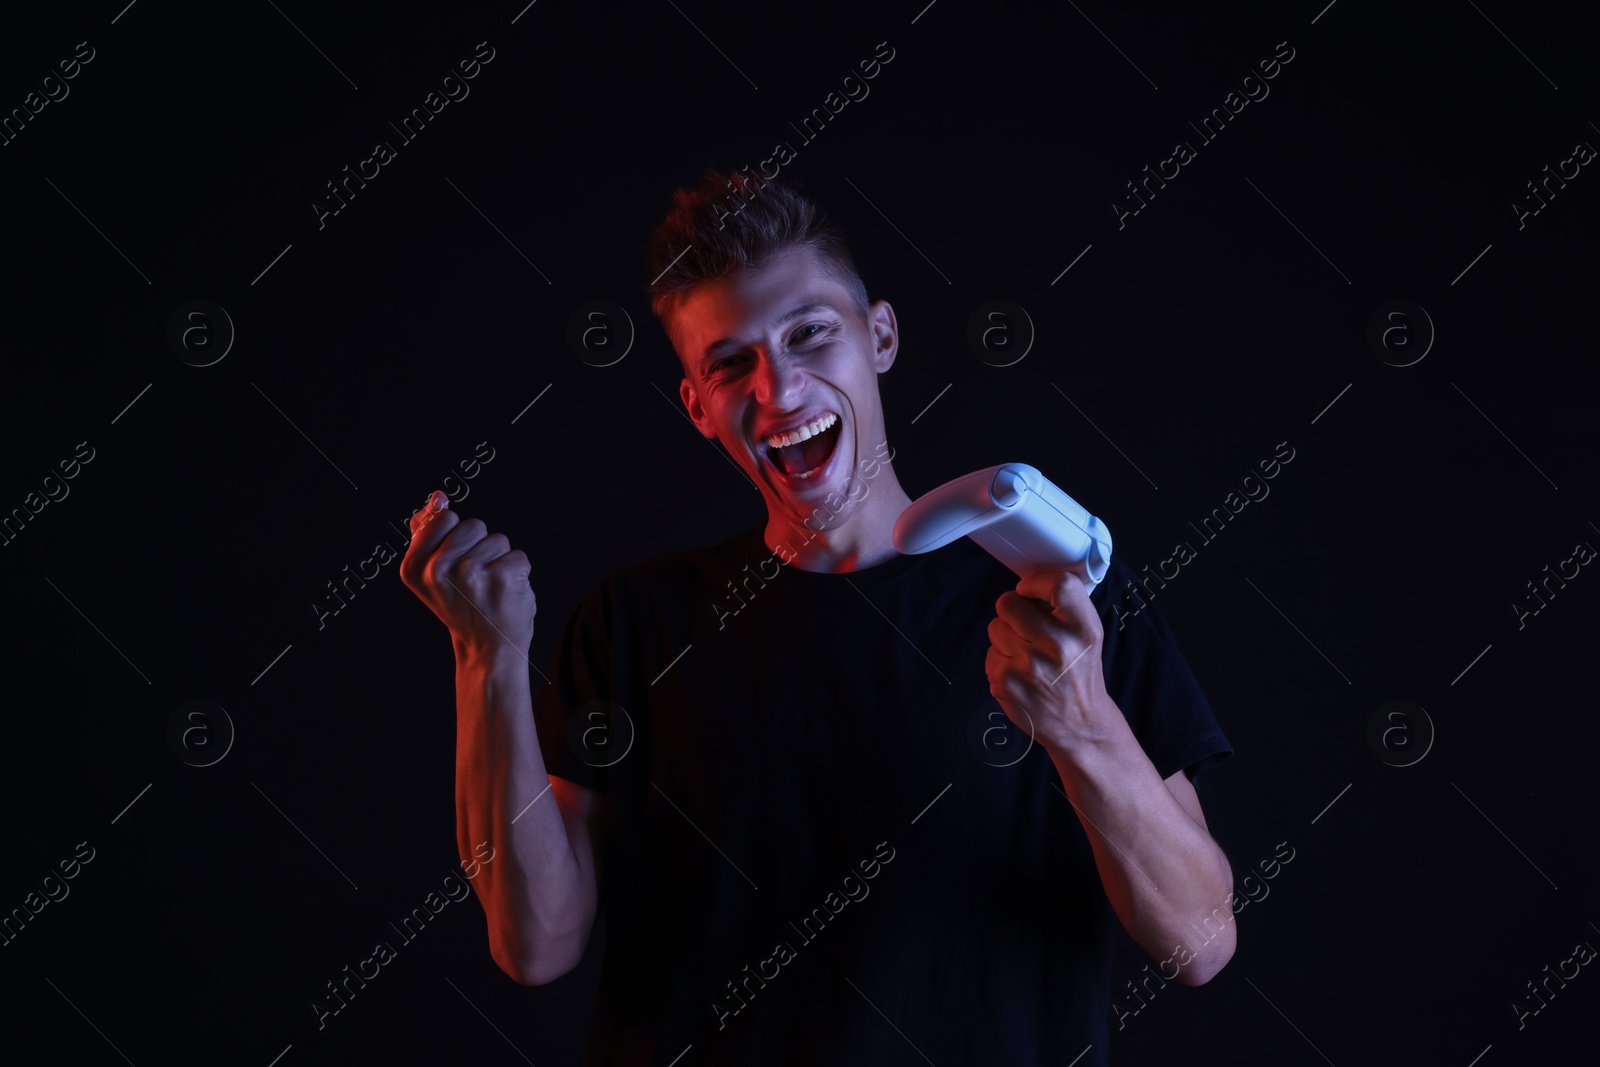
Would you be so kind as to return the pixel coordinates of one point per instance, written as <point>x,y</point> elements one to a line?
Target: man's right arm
<point>540,890</point>
<point>540,893</point>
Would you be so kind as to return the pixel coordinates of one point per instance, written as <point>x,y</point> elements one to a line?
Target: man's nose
<point>778,380</point>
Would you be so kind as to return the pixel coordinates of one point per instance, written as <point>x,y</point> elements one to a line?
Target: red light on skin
<point>772,347</point>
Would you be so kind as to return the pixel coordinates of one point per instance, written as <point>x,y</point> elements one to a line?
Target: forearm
<point>1167,880</point>
<point>533,893</point>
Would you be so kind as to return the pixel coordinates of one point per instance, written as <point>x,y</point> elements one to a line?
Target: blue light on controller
<point>1017,515</point>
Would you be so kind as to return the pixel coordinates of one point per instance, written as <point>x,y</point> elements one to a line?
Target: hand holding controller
<point>1018,515</point>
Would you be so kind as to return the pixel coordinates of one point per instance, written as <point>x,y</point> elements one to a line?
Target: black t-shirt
<point>828,844</point>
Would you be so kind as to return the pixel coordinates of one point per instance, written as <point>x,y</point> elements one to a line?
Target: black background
<point>380,349</point>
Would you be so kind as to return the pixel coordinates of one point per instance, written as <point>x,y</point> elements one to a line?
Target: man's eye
<point>802,335</point>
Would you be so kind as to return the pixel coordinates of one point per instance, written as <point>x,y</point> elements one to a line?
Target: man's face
<point>770,352</point>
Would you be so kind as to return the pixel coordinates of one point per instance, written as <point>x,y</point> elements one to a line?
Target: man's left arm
<point>1163,874</point>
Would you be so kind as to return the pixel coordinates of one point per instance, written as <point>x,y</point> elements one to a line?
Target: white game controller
<point>1016,514</point>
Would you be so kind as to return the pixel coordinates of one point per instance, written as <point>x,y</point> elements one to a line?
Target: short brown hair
<point>732,222</point>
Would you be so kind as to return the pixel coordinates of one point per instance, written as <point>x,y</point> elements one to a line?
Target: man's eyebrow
<point>788,316</point>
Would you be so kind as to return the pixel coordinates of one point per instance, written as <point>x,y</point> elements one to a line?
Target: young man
<point>817,839</point>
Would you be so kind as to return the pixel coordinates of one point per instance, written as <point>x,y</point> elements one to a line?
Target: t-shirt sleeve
<point>573,703</point>
<point>1151,682</point>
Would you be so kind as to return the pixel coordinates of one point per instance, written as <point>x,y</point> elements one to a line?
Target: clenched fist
<point>473,580</point>
<point>1046,645</point>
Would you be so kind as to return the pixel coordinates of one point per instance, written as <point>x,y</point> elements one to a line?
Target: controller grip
<point>1017,515</point>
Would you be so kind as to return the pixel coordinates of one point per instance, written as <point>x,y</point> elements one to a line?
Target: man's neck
<point>857,540</point>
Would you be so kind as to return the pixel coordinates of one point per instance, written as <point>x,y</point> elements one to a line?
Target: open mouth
<point>803,459</point>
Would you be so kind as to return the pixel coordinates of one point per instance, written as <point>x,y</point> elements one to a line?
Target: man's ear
<point>697,414</point>
<point>885,335</point>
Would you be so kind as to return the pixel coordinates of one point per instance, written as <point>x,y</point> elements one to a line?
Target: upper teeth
<point>804,433</point>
